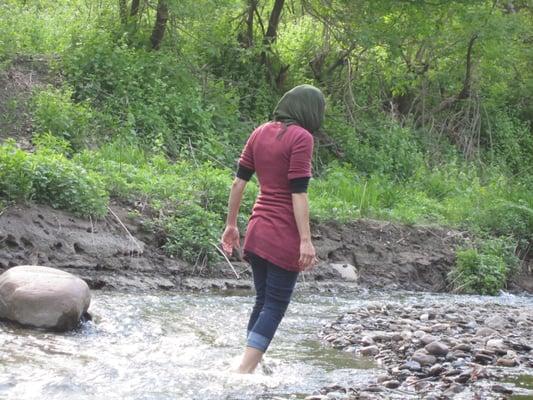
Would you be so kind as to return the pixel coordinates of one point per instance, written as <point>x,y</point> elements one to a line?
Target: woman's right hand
<point>307,255</point>
<point>230,239</point>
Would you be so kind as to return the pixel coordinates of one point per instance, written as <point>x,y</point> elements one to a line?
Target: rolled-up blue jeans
<point>274,287</point>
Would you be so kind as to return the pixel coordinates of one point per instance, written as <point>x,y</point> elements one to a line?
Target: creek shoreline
<point>117,253</point>
<point>460,349</point>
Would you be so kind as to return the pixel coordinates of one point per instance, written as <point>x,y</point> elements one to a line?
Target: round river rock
<point>43,297</point>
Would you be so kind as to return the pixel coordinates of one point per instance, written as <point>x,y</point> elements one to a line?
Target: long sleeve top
<point>278,155</point>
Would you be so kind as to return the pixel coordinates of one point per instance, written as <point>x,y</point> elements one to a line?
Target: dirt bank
<point>115,252</point>
<point>18,81</point>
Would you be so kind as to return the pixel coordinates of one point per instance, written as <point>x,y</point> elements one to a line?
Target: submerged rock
<point>43,297</point>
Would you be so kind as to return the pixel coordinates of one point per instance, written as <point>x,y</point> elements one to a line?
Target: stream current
<point>166,345</point>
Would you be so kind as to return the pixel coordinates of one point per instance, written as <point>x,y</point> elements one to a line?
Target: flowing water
<point>182,346</point>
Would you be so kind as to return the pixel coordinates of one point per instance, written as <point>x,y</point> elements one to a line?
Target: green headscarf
<point>303,105</point>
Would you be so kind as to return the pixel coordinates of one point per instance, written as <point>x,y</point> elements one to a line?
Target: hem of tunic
<point>271,259</point>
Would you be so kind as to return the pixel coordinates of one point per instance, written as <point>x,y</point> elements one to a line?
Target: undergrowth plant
<point>484,268</point>
<point>50,178</point>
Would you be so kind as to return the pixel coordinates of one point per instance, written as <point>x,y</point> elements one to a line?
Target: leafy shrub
<point>56,113</point>
<point>154,98</point>
<point>510,143</point>
<point>189,201</point>
<point>48,142</point>
<point>16,173</point>
<point>484,269</point>
<point>376,146</point>
<point>61,183</point>
<point>50,178</point>
<point>191,232</point>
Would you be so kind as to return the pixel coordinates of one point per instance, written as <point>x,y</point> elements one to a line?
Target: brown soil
<point>116,252</point>
<point>391,255</point>
<point>101,252</point>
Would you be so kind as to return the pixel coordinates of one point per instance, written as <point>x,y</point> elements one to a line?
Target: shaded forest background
<point>429,116</point>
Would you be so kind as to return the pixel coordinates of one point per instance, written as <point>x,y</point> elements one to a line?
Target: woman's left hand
<point>230,239</point>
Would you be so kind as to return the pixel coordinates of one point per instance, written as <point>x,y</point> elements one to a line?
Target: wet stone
<point>459,363</point>
<point>483,359</point>
<point>471,325</point>
<point>464,377</point>
<point>367,341</point>
<point>485,331</point>
<point>393,384</point>
<point>411,365</point>
<point>496,322</point>
<point>457,354</point>
<point>442,355</point>
<point>424,359</point>
<point>438,349</point>
<point>452,372</point>
<point>406,335</point>
<point>495,343</point>
<point>427,339</point>
<point>501,389</point>
<point>336,396</point>
<point>373,389</point>
<point>369,351</point>
<point>507,362</point>
<point>463,347</point>
<point>439,327</point>
<point>436,369</point>
<point>454,389</point>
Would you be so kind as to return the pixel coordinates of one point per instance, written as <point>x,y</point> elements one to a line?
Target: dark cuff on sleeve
<point>244,173</point>
<point>299,185</point>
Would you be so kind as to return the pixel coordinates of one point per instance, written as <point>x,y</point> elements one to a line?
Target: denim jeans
<point>274,287</point>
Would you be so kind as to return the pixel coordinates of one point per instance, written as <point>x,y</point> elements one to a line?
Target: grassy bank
<point>161,128</point>
<point>184,202</point>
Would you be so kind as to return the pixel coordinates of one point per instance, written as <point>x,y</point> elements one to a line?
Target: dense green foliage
<point>430,109</point>
<point>49,177</point>
<point>484,269</point>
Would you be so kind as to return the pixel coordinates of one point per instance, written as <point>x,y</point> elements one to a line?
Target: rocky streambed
<point>435,350</point>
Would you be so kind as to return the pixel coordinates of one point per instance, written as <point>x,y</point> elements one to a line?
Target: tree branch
<point>467,84</point>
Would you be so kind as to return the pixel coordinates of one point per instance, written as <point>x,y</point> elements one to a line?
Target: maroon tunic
<point>272,232</point>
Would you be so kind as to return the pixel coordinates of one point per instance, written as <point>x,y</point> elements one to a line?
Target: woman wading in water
<point>278,239</point>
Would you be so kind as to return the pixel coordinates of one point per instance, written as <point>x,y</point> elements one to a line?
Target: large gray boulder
<point>43,297</point>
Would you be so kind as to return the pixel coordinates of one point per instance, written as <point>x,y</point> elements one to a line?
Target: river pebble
<point>433,350</point>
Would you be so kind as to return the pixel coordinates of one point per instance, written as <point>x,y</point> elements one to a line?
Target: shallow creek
<point>182,346</point>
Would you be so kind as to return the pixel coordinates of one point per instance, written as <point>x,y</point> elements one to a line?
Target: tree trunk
<point>273,22</point>
<point>161,19</point>
<point>135,7</point>
<point>123,10</point>
<point>249,38</point>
